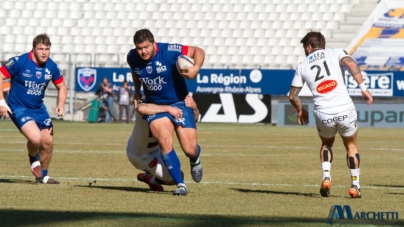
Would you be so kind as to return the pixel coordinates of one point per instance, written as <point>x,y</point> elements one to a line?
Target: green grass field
<point>254,175</point>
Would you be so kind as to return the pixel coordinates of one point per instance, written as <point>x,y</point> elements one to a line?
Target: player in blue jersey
<point>153,66</point>
<point>143,150</point>
<point>30,75</point>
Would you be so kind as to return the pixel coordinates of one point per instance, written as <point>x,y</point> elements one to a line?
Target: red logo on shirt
<point>326,86</point>
<point>153,163</point>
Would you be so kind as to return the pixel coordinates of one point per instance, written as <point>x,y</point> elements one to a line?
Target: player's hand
<point>367,97</point>
<point>4,109</point>
<point>189,102</point>
<point>175,112</point>
<point>60,111</point>
<point>303,117</point>
<point>190,72</point>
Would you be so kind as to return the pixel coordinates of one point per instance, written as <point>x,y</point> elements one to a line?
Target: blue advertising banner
<point>246,81</point>
<point>374,115</point>
<point>379,83</point>
<point>242,81</point>
<point>88,79</point>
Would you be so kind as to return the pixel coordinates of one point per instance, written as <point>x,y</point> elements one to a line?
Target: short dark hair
<point>315,39</point>
<point>143,35</point>
<point>41,38</point>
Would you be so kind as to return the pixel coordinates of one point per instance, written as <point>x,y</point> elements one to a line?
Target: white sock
<point>326,167</point>
<point>355,176</point>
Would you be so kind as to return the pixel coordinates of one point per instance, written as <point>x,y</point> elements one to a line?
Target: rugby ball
<point>184,62</point>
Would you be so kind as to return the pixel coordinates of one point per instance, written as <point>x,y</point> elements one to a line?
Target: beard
<point>38,59</point>
<point>151,53</point>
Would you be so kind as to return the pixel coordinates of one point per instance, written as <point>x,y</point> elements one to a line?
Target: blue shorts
<point>186,121</point>
<point>22,115</point>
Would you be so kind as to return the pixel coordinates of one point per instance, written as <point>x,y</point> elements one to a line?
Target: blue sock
<point>195,159</point>
<point>33,159</point>
<point>174,166</point>
<point>44,172</point>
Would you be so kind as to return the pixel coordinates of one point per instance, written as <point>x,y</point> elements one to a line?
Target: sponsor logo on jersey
<point>86,78</point>
<point>34,88</point>
<point>149,69</point>
<point>38,74</point>
<point>137,71</point>
<point>160,67</point>
<point>334,119</point>
<point>150,117</point>
<point>155,84</point>
<point>316,56</point>
<point>175,47</point>
<point>48,122</point>
<point>27,73</point>
<point>153,163</point>
<point>181,120</point>
<point>48,76</point>
<point>27,118</point>
<point>9,63</point>
<point>326,86</point>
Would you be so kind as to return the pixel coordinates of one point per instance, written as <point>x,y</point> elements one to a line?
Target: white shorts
<point>151,163</point>
<point>329,124</point>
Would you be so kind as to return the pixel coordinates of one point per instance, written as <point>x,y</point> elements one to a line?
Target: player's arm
<point>151,108</point>
<point>3,105</point>
<point>62,95</point>
<point>302,116</point>
<point>356,73</point>
<point>198,54</point>
<point>137,96</point>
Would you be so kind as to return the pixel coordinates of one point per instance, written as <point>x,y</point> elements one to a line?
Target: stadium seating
<point>257,33</point>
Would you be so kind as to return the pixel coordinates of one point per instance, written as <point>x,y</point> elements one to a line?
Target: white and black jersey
<point>323,73</point>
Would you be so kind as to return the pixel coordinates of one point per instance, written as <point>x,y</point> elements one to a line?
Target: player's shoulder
<point>336,50</point>
<point>50,62</point>
<point>131,54</point>
<point>21,58</point>
<point>170,47</point>
<point>18,60</point>
<point>132,57</point>
<point>53,66</point>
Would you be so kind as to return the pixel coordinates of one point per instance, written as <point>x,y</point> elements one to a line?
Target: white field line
<point>205,183</point>
<point>216,145</point>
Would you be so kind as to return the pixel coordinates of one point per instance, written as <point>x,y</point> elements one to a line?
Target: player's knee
<point>191,149</point>
<point>327,153</point>
<point>46,142</point>
<point>166,144</point>
<point>35,141</point>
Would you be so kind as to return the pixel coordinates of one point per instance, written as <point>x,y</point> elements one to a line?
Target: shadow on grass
<point>16,181</point>
<point>387,185</point>
<point>395,193</point>
<point>67,218</point>
<point>279,192</point>
<point>127,189</point>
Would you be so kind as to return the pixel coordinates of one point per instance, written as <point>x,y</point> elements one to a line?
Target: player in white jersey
<point>143,150</point>
<point>334,110</point>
